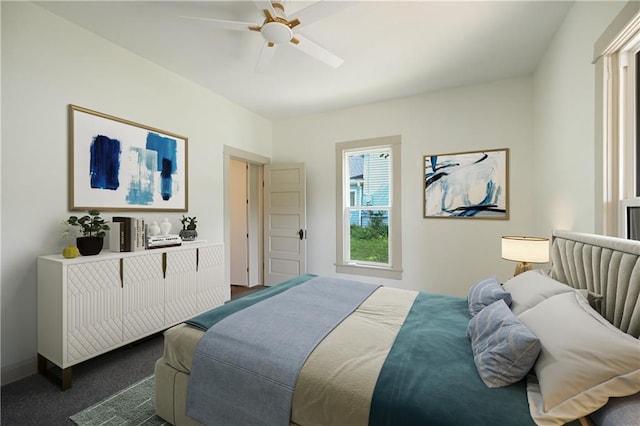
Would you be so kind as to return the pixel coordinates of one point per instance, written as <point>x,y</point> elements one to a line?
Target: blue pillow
<point>504,350</point>
<point>485,292</point>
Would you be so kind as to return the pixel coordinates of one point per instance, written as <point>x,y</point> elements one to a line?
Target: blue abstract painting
<point>104,166</point>
<point>121,165</point>
<point>467,185</point>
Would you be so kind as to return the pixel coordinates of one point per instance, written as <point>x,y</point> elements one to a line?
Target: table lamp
<point>525,250</point>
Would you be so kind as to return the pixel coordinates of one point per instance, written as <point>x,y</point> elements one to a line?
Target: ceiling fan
<point>278,28</point>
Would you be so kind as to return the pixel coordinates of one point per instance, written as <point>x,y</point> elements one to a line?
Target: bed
<point>401,357</point>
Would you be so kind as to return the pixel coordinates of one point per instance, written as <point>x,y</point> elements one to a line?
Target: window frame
<point>394,269</point>
<point>615,115</point>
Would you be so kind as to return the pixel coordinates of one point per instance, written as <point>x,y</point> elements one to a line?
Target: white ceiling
<point>391,49</point>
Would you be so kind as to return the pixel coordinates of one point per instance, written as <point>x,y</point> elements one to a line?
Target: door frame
<point>230,152</point>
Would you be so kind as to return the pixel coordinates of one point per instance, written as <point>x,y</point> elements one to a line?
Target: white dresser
<point>90,305</point>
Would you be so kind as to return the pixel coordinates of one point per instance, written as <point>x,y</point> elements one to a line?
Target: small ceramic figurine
<point>165,226</point>
<point>153,229</point>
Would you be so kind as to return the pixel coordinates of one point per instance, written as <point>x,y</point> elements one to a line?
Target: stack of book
<point>130,234</point>
<point>159,241</point>
<point>127,234</point>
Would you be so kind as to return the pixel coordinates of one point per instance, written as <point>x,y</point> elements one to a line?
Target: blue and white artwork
<point>121,165</point>
<point>467,185</point>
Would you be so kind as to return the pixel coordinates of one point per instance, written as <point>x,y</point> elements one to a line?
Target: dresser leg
<point>66,378</point>
<point>64,381</point>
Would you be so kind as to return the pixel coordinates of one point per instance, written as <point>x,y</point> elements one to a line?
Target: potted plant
<point>92,227</point>
<point>188,232</point>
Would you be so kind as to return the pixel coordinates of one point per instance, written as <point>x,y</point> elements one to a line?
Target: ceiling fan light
<point>276,32</point>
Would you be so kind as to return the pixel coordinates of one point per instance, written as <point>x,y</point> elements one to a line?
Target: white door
<point>285,222</point>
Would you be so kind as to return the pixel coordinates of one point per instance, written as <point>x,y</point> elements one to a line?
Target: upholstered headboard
<point>607,266</point>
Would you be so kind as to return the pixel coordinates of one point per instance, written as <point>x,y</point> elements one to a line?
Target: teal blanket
<point>429,377</point>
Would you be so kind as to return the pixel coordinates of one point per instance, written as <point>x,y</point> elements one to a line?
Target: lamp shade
<point>525,249</point>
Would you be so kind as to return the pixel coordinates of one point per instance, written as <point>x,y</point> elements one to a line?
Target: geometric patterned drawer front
<point>211,296</point>
<point>212,291</point>
<point>211,256</point>
<point>94,308</point>
<point>142,296</point>
<point>181,301</point>
<point>181,261</point>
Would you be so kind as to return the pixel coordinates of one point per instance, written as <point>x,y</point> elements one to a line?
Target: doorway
<point>243,217</point>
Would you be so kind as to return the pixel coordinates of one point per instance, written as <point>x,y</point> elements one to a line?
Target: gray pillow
<point>485,292</point>
<point>532,287</point>
<point>623,411</point>
<point>504,350</point>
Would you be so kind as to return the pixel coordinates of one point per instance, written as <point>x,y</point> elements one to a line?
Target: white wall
<point>439,255</point>
<point>48,63</point>
<point>547,121</point>
<point>565,154</point>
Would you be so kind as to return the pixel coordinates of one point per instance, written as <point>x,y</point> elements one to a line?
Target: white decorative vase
<point>153,229</point>
<point>165,226</point>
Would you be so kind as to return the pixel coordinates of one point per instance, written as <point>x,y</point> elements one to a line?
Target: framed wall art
<point>467,185</point>
<point>116,164</point>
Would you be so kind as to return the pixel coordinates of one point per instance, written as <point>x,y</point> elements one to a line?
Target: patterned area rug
<point>131,406</point>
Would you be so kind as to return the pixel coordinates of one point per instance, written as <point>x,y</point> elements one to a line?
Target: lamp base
<point>522,267</point>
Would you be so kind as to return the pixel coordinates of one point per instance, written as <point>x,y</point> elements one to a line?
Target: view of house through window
<point>368,207</point>
<point>369,179</point>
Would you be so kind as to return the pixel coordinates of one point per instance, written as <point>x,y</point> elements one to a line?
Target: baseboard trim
<point>19,370</point>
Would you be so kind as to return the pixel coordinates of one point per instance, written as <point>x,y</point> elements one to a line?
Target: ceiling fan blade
<point>266,54</point>
<point>263,5</point>
<point>226,25</point>
<point>320,53</point>
<point>319,10</point>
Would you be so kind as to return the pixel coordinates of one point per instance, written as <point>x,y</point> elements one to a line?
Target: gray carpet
<point>35,400</point>
<point>132,406</point>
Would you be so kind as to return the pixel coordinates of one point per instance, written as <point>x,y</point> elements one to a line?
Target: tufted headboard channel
<point>603,265</point>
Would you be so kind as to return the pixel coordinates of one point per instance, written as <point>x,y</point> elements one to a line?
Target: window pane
<point>356,177</point>
<point>369,178</point>
<point>369,236</point>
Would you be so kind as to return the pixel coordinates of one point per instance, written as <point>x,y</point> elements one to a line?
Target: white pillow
<point>583,362</point>
<point>532,287</point>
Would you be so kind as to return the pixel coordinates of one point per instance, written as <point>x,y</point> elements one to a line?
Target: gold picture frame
<point>119,165</point>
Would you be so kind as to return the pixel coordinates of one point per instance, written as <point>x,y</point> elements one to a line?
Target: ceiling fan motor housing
<point>277,29</point>
<point>276,32</point>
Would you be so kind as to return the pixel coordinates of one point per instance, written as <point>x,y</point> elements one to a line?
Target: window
<point>368,207</point>
<point>618,62</point>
